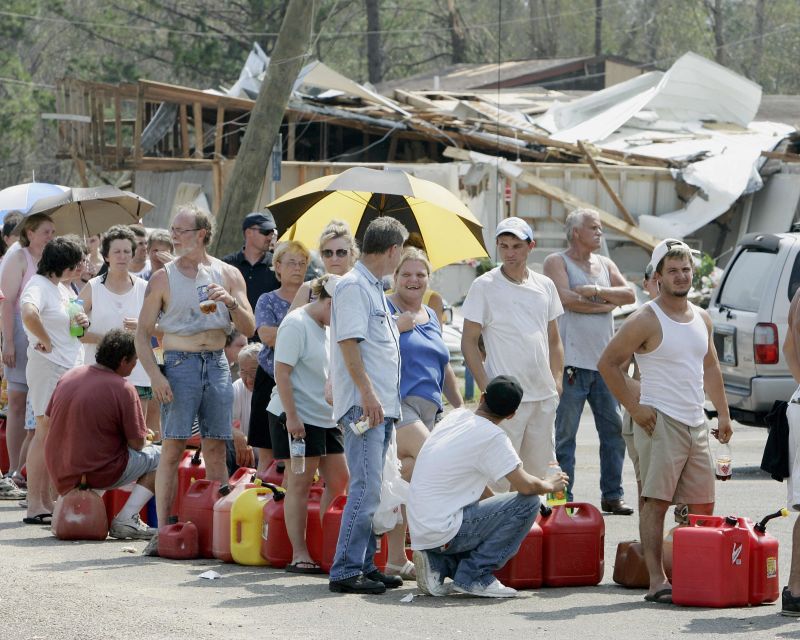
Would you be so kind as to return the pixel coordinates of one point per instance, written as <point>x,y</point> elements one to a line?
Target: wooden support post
<point>602,180</point>
<point>291,137</point>
<point>184,127</point>
<point>218,133</point>
<point>197,117</point>
<point>137,128</point>
<point>118,128</point>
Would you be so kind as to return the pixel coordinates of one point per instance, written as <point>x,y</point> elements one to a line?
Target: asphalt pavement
<point>55,590</point>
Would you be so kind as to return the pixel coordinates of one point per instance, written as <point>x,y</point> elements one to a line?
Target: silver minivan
<point>749,312</point>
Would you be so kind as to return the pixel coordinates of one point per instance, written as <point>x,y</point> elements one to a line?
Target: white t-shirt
<point>241,404</point>
<point>463,454</point>
<point>515,318</point>
<point>52,301</point>
<point>109,309</point>
<point>303,344</point>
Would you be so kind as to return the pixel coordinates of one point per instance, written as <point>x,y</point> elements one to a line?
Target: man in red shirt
<point>97,429</point>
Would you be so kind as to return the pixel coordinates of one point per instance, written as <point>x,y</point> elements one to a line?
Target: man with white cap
<point>516,311</point>
<point>672,342</point>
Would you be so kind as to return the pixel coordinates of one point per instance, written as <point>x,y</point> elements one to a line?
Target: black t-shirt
<point>259,277</point>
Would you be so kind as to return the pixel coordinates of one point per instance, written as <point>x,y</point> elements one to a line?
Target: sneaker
<point>429,581</point>
<point>494,590</point>
<point>152,547</point>
<point>791,604</point>
<point>133,529</point>
<point>10,491</point>
<point>357,584</point>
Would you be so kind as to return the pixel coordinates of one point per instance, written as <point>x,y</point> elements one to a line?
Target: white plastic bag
<point>394,492</point>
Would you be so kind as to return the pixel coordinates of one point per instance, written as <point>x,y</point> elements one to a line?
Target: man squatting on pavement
<point>459,528</point>
<point>196,380</point>
<point>671,340</point>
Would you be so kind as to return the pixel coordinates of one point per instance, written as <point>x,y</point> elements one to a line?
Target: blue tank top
<point>423,358</point>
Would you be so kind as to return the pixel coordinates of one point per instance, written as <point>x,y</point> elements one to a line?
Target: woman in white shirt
<point>113,301</point>
<point>52,350</point>
<point>301,370</point>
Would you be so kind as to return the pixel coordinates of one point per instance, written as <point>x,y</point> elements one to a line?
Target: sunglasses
<point>340,253</point>
<point>264,232</point>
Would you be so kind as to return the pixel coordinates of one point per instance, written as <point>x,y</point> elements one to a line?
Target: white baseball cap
<point>663,248</point>
<point>515,226</point>
<point>330,283</point>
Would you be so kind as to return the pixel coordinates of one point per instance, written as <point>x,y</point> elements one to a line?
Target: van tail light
<point>765,343</point>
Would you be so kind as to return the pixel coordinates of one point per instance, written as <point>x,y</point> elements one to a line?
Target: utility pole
<point>248,174</point>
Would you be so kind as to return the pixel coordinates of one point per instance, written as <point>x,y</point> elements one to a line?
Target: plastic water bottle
<point>201,281</point>
<point>297,451</point>
<point>556,497</point>
<point>75,308</point>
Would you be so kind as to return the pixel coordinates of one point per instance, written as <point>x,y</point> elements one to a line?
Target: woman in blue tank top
<point>425,374</point>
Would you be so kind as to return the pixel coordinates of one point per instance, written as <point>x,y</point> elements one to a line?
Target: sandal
<point>406,571</point>
<point>304,566</point>
<point>42,518</point>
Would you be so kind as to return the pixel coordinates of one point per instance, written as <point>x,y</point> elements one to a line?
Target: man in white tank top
<point>195,378</point>
<point>671,340</point>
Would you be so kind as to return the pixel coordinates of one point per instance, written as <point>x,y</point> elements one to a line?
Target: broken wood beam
<point>602,179</point>
<point>784,156</point>
<point>517,173</point>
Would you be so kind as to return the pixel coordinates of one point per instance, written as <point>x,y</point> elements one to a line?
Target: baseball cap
<point>515,226</point>
<point>663,248</point>
<point>331,280</point>
<point>261,219</point>
<point>503,395</point>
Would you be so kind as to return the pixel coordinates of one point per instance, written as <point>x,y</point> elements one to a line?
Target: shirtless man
<point>672,342</point>
<point>196,379</point>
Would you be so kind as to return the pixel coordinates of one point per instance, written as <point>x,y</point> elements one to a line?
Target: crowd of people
<point>351,362</point>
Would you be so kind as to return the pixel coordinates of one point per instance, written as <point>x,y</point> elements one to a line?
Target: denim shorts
<point>201,386</point>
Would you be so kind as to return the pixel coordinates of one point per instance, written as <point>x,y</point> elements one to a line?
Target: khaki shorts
<point>675,462</point>
<point>44,375</point>
<point>793,484</point>
<point>628,427</point>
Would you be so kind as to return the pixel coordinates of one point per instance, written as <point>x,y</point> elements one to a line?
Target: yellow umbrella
<point>449,231</point>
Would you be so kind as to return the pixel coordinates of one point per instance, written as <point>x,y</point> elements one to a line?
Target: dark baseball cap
<point>261,219</point>
<point>503,395</point>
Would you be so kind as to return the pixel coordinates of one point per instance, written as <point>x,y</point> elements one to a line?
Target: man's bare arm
<point>555,269</point>
<point>556,354</point>
<point>619,293</point>
<point>148,316</point>
<point>241,314</point>
<point>714,386</point>
<point>470,335</point>
<point>791,346</point>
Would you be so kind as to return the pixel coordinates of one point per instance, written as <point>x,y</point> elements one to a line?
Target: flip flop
<point>42,518</point>
<point>304,566</point>
<point>664,596</point>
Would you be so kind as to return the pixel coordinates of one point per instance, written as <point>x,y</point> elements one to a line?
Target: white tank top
<point>672,374</point>
<point>108,311</point>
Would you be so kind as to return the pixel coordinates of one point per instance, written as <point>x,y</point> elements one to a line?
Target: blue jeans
<point>491,532</point>
<point>202,389</point>
<point>589,385</point>
<point>365,455</point>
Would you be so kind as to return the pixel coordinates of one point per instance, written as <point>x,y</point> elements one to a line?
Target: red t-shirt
<point>93,413</point>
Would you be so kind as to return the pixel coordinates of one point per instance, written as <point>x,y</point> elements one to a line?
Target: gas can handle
<point>699,520</point>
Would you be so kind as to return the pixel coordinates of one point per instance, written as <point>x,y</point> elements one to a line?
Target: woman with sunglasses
<point>339,253</point>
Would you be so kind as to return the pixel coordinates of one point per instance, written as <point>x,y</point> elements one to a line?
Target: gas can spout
<point>761,527</point>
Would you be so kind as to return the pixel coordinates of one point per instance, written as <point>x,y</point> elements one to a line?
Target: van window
<point>744,283</point>
<point>794,279</point>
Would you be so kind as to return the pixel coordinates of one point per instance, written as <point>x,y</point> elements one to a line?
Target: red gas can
<point>630,569</point>
<point>178,541</point>
<point>314,524</point>
<point>711,563</point>
<point>274,473</point>
<point>764,581</point>
<point>4,463</point>
<point>242,474</point>
<point>191,468</point>
<point>331,522</point>
<point>572,545</point>
<point>524,570</point>
<point>198,507</point>
<point>276,548</point>
<point>80,515</point>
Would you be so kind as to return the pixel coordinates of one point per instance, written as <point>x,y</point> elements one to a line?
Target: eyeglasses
<point>294,264</point>
<point>266,232</point>
<point>340,253</point>
<point>179,232</point>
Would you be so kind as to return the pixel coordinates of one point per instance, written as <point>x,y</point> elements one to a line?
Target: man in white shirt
<point>516,311</point>
<point>459,528</point>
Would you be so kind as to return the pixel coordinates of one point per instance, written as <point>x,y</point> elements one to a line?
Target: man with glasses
<point>195,379</point>
<point>254,261</point>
